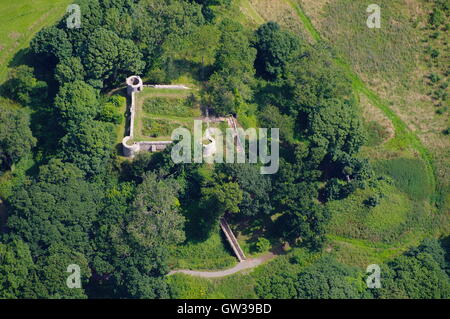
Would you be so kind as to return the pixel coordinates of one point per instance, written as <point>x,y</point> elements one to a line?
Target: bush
<point>262,245</point>
<point>434,77</point>
<point>23,87</point>
<point>437,17</point>
<point>372,201</point>
<point>435,35</point>
<point>110,113</point>
<point>440,94</point>
<point>441,110</point>
<point>335,190</point>
<point>117,100</point>
<point>434,53</point>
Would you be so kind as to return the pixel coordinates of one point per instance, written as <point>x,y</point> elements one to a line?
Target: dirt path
<point>246,264</point>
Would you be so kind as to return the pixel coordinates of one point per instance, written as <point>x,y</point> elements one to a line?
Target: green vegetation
<point>409,175</point>
<point>16,139</point>
<point>376,134</point>
<point>386,222</point>
<point>210,254</point>
<point>160,111</point>
<point>20,20</point>
<point>347,193</point>
<point>173,107</point>
<point>233,287</point>
<point>158,128</point>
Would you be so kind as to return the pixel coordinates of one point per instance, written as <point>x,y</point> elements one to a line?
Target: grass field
<point>160,111</point>
<point>19,21</point>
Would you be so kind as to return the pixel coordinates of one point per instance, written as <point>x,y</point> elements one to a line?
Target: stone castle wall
<point>134,86</point>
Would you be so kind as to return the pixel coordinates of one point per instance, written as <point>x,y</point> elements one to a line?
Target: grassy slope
<point>360,251</point>
<point>403,136</point>
<point>19,22</point>
<point>395,62</point>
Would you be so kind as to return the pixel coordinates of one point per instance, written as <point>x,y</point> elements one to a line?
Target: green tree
<point>230,84</point>
<point>15,268</point>
<point>336,125</point>
<point>418,274</point>
<point>271,117</point>
<point>23,87</point>
<point>59,207</point>
<point>256,188</point>
<point>89,147</point>
<point>156,219</point>
<point>109,58</point>
<point>156,20</point>
<point>77,102</point>
<point>303,219</point>
<point>52,44</point>
<point>69,70</point>
<point>16,139</point>
<point>276,280</point>
<point>328,279</point>
<point>275,47</point>
<point>49,280</point>
<point>153,225</point>
<point>215,202</point>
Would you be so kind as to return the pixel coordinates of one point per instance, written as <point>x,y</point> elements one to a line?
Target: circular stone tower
<point>134,84</point>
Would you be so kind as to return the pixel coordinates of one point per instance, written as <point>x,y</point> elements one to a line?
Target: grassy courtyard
<point>160,111</point>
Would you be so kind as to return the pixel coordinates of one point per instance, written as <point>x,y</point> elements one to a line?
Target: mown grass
<point>159,128</point>
<point>19,22</point>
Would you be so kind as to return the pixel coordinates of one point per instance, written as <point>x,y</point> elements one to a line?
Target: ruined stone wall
<point>135,85</point>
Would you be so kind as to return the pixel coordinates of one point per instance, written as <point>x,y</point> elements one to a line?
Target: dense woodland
<point>74,200</point>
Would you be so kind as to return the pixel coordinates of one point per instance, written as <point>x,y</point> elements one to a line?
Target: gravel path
<point>246,264</point>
